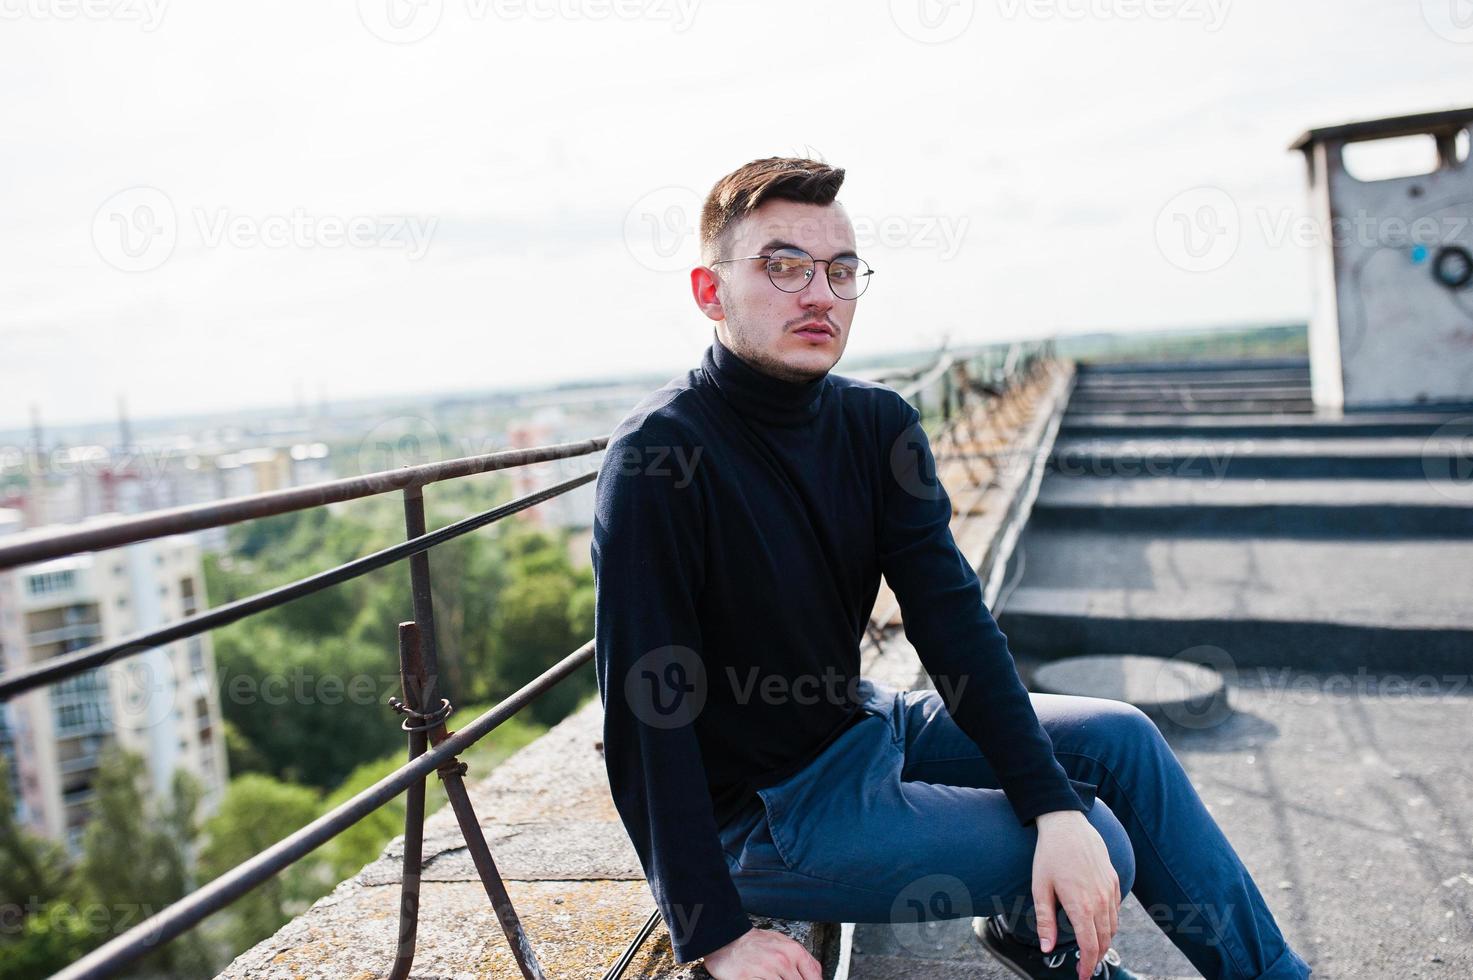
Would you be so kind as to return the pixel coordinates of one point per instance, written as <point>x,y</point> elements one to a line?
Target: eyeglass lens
<point>790,269</point>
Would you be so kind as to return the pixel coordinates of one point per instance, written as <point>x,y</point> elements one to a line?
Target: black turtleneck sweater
<point>742,525</point>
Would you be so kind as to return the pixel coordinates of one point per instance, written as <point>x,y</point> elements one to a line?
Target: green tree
<point>258,811</point>
<point>534,631</point>
<point>311,710</point>
<point>40,934</point>
<point>33,870</point>
<point>135,858</point>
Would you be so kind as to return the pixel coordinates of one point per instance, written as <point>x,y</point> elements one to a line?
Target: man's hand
<point>1072,866</point>
<point>764,954</point>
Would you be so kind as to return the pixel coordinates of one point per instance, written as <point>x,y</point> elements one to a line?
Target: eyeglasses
<point>791,270</point>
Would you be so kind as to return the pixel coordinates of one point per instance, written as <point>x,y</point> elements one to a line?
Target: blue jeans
<point>901,819</point>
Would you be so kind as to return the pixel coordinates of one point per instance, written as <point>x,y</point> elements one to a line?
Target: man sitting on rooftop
<point>745,514</point>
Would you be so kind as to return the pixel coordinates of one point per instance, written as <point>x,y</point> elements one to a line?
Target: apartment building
<point>162,704</point>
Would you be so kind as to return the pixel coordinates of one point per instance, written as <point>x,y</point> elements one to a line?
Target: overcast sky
<point>210,205</point>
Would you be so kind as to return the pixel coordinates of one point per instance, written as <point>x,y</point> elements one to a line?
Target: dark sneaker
<point>1032,963</point>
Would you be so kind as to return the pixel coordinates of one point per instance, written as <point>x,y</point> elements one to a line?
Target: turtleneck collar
<point>758,395</point>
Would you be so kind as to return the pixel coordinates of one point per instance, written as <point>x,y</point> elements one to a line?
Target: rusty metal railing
<point>970,395</point>
<point>432,747</point>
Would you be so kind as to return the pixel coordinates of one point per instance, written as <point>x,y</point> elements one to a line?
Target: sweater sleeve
<point>964,652</point>
<point>648,568</point>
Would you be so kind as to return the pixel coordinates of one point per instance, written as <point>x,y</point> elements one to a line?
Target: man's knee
<point>1111,726</point>
<point>1117,842</point>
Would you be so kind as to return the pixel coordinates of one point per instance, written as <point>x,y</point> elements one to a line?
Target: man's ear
<point>703,283</point>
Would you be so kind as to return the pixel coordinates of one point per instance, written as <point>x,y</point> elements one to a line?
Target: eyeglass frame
<point>869,271</point>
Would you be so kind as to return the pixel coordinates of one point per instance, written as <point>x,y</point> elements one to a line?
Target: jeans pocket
<point>774,817</point>
<point>889,705</point>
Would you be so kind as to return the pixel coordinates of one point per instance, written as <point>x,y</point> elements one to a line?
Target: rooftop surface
<point>1326,565</point>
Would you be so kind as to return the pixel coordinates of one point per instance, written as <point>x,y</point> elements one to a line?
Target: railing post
<point>419,584</point>
<point>452,773</point>
<point>411,674</point>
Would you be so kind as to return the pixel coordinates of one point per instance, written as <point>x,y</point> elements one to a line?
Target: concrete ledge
<point>569,868</point>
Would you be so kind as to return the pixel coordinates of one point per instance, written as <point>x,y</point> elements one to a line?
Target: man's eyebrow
<point>779,243</point>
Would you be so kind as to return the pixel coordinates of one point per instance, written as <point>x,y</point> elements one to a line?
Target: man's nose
<point>819,293</point>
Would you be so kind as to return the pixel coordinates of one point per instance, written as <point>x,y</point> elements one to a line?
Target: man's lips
<point>816,330</point>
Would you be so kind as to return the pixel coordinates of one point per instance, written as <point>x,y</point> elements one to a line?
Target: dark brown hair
<point>740,192</point>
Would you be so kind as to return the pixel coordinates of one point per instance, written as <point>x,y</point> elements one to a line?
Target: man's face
<point>766,326</point>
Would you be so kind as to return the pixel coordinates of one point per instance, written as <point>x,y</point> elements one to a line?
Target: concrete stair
<point>1281,538</point>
